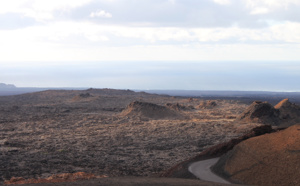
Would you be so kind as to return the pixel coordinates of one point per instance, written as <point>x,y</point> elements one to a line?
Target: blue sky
<point>155,44</point>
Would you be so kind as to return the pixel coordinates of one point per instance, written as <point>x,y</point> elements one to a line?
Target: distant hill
<point>245,96</point>
<point>7,86</point>
<point>10,89</point>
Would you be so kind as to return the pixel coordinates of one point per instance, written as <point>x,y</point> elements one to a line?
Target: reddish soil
<point>66,177</point>
<point>272,159</point>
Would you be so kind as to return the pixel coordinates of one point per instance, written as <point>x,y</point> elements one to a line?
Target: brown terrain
<point>107,132</point>
<point>272,159</point>
<point>117,135</point>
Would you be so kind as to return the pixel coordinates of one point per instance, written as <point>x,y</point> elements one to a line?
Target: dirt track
<point>201,170</point>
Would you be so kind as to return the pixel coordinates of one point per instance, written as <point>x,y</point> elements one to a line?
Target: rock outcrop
<point>207,104</point>
<point>260,112</point>
<point>284,114</point>
<point>82,96</point>
<point>271,159</point>
<point>179,107</point>
<point>149,110</point>
<point>289,112</point>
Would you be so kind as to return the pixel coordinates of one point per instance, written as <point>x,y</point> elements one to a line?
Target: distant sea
<point>280,76</point>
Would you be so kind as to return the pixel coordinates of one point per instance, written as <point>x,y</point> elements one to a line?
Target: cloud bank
<point>79,30</point>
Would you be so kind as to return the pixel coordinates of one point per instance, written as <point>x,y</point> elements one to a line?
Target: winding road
<point>201,170</point>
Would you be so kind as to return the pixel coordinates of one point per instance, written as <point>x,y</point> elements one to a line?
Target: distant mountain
<point>7,86</point>
<point>10,89</point>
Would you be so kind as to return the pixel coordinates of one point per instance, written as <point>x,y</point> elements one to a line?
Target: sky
<point>151,44</point>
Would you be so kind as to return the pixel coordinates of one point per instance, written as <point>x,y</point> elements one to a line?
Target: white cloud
<point>39,10</point>
<point>260,10</point>
<point>222,2</point>
<point>77,41</point>
<point>271,4</point>
<point>83,39</point>
<point>172,1</point>
<point>100,13</point>
<point>288,32</point>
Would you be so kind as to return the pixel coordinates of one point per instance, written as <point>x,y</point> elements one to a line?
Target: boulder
<point>207,104</point>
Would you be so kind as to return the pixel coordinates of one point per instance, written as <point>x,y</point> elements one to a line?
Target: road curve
<point>201,169</point>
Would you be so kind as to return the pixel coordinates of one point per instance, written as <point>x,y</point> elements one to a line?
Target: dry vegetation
<point>55,132</point>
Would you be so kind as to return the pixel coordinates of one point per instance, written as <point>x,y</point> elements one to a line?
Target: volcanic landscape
<point>112,133</point>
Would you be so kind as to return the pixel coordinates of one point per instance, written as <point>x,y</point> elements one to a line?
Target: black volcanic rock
<point>178,107</point>
<point>260,112</point>
<point>284,114</point>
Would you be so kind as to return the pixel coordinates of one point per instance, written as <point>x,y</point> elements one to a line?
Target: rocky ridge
<point>283,114</point>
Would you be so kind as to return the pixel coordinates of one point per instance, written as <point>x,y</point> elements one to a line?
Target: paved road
<point>201,170</point>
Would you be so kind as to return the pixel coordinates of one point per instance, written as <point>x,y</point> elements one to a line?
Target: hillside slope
<point>272,159</point>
